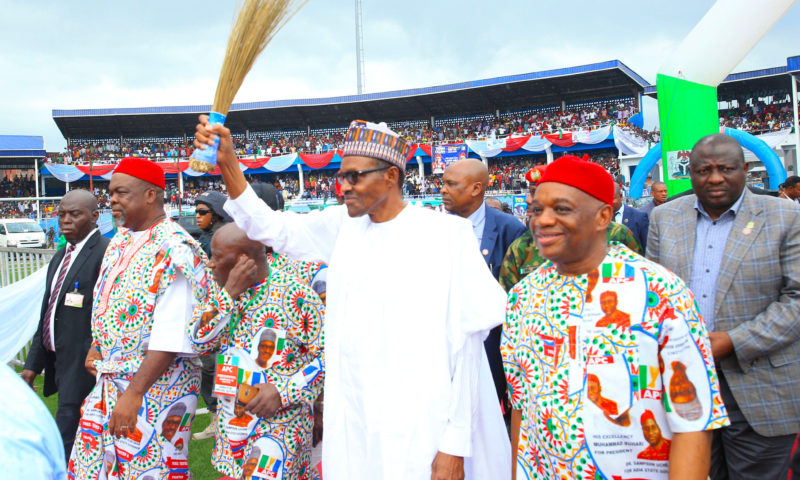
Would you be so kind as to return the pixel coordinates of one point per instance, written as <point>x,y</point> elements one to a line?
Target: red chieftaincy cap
<point>648,415</point>
<point>582,174</point>
<point>143,169</point>
<point>534,175</point>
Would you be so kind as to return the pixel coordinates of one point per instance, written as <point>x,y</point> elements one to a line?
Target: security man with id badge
<point>267,326</point>
<point>64,336</point>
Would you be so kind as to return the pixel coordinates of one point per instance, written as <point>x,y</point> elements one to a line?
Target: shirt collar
<point>478,215</point>
<point>734,208</point>
<point>80,244</point>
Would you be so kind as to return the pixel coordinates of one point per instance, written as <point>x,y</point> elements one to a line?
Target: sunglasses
<point>352,176</point>
<point>202,212</point>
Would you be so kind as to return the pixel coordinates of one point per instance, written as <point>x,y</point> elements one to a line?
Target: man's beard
<point>119,222</point>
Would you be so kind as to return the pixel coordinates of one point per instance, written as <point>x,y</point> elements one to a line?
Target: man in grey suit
<point>740,253</point>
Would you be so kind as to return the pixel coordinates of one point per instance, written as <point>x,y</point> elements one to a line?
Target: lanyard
<point>237,316</point>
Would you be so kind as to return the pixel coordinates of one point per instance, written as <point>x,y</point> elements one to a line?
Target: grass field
<point>199,450</point>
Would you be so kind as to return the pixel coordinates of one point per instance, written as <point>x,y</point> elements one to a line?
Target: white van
<point>21,233</point>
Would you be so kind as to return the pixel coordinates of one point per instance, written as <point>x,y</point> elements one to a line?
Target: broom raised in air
<point>255,26</point>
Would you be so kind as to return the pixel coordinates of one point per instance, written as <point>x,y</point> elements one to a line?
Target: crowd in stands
<point>505,174</point>
<point>532,122</point>
<point>447,130</point>
<point>18,185</point>
<point>27,209</point>
<point>758,117</point>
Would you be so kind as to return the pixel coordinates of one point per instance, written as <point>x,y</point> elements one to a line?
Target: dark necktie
<point>47,336</point>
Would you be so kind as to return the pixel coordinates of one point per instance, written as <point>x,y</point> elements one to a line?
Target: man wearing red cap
<point>557,351</point>
<point>658,448</point>
<point>523,257</point>
<point>151,277</point>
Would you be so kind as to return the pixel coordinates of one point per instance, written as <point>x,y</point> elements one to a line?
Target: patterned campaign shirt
<point>271,334</point>
<point>605,368</point>
<point>135,276</point>
<point>523,256</point>
<point>305,271</point>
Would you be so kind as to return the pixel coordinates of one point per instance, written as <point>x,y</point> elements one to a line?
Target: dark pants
<point>739,453</point>
<point>68,416</point>
<point>492,347</point>
<point>795,462</point>
<point>207,381</point>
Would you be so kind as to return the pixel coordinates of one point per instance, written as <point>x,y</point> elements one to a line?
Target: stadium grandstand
<point>511,122</point>
<point>20,160</point>
<point>487,113</point>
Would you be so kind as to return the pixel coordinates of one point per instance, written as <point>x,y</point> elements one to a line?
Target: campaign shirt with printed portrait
<point>272,334</point>
<point>605,368</point>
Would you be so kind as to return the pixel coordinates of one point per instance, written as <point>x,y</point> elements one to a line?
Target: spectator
<point>659,192</point>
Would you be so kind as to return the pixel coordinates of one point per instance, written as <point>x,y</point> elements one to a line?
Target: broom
<point>255,26</point>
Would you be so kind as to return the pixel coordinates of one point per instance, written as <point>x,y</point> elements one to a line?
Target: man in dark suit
<point>740,254</point>
<point>659,192</point>
<point>463,188</point>
<point>634,219</point>
<point>64,335</point>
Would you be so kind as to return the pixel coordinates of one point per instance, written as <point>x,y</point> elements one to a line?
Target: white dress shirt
<point>618,215</point>
<point>75,252</point>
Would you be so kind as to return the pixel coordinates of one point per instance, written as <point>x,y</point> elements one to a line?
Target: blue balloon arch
<point>770,159</point>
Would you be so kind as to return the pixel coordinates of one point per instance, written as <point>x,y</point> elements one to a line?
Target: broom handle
<point>209,154</point>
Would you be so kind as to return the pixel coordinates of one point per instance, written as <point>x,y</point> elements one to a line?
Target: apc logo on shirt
<point>617,272</point>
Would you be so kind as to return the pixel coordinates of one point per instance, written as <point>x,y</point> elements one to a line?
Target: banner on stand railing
<point>518,205</point>
<point>444,155</point>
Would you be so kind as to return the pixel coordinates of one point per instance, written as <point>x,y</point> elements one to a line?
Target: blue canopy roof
<point>306,102</point>
<point>14,146</point>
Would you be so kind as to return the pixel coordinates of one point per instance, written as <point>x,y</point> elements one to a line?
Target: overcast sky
<point>126,53</point>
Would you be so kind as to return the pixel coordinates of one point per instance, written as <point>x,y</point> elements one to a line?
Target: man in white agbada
<point>408,392</point>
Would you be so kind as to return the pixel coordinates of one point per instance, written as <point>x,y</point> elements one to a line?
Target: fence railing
<point>16,264</point>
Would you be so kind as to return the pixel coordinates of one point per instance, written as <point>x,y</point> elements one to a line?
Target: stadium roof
<point>21,146</point>
<point>611,79</point>
<point>763,82</point>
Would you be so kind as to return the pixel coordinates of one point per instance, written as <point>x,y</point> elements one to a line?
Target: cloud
<point>96,53</point>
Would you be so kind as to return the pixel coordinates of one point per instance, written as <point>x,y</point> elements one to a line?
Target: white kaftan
<point>406,373</point>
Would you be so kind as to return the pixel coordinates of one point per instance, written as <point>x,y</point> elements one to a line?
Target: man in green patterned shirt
<point>523,257</point>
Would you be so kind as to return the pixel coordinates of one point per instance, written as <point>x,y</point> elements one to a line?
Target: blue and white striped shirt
<point>709,247</point>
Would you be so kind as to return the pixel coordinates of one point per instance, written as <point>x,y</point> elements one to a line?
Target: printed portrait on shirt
<point>610,407</point>
<point>686,384</point>
<point>683,393</point>
<point>609,303</point>
<point>109,463</point>
<point>237,422</point>
<point>174,423</point>
<point>265,460</point>
<point>658,446</point>
<point>267,347</point>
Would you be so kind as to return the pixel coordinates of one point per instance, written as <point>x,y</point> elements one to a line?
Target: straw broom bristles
<point>255,26</point>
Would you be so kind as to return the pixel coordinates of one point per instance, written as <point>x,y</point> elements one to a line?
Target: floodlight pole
<point>796,124</point>
<point>359,49</point>
<point>36,184</point>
